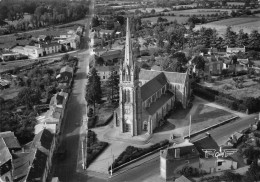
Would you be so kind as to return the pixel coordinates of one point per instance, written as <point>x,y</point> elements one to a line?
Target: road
<point>76,108</point>
<point>150,171</point>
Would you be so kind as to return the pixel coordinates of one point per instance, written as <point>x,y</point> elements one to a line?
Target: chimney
<point>208,134</point>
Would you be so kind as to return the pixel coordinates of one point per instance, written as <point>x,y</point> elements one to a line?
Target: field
<point>246,23</point>
<point>228,86</point>
<point>199,11</point>
<point>169,18</point>
<point>7,41</point>
<point>10,93</point>
<point>149,9</point>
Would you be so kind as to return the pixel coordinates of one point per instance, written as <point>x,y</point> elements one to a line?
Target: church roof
<point>152,86</point>
<point>173,77</point>
<point>155,106</point>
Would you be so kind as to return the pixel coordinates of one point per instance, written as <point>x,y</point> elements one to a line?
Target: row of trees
<point>42,15</point>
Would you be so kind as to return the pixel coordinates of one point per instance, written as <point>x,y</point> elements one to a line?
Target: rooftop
<point>5,154</point>
<point>153,85</point>
<point>66,69</point>
<point>43,139</point>
<point>106,68</point>
<point>10,140</point>
<point>159,103</point>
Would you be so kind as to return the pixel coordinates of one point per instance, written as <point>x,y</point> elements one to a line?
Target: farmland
<point>246,23</point>
<point>199,12</point>
<point>169,18</point>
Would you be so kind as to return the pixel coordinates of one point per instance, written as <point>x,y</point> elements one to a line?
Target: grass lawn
<point>169,18</point>
<point>15,64</point>
<point>246,23</point>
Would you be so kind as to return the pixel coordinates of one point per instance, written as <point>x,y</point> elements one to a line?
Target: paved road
<point>76,108</point>
<point>150,171</point>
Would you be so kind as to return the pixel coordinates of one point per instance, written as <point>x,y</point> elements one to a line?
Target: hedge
<point>132,153</point>
<point>94,147</point>
<point>220,98</point>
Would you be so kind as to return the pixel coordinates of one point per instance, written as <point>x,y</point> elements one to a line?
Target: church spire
<point>128,45</point>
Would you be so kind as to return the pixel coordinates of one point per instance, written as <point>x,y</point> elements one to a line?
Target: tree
<point>230,38</point>
<point>65,57</point>
<point>29,97</point>
<point>199,63</point>
<point>232,177</point>
<point>93,88</point>
<point>254,40</point>
<point>100,61</point>
<point>153,11</point>
<point>242,39</point>
<point>112,83</point>
<point>253,172</point>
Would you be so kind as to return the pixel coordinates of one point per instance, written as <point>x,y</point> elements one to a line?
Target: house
<point>235,50</point>
<point>30,51</point>
<point>34,163</point>
<point>105,32</point>
<point>11,141</point>
<point>104,72</point>
<point>38,50</point>
<point>111,55</point>
<point>174,158</point>
<point>213,66</point>
<point>6,164</point>
<point>9,56</point>
<point>66,75</point>
<point>71,42</point>
<point>244,62</point>
<point>202,153</point>
<point>52,119</point>
<point>50,48</point>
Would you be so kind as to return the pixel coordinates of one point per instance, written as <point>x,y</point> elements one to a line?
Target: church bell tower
<point>129,91</point>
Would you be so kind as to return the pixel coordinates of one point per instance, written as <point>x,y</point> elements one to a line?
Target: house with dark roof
<point>174,158</point>
<point>111,55</point>
<point>202,153</point>
<point>35,161</point>
<point>146,96</point>
<point>6,164</point>
<point>10,140</point>
<point>66,75</point>
<point>104,72</point>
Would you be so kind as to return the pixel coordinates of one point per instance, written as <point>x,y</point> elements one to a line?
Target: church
<point>146,96</point>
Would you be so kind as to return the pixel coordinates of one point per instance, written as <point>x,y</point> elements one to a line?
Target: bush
<point>94,148</point>
<point>132,153</point>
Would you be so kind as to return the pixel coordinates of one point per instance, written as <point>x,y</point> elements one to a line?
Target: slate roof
<point>152,86</point>
<point>43,138</point>
<point>66,69</point>
<point>173,77</point>
<point>186,149</point>
<point>206,142</point>
<point>159,103</point>
<point>10,140</point>
<point>106,68</point>
<point>111,53</point>
<point>29,166</point>
<point>50,45</point>
<point>5,154</point>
